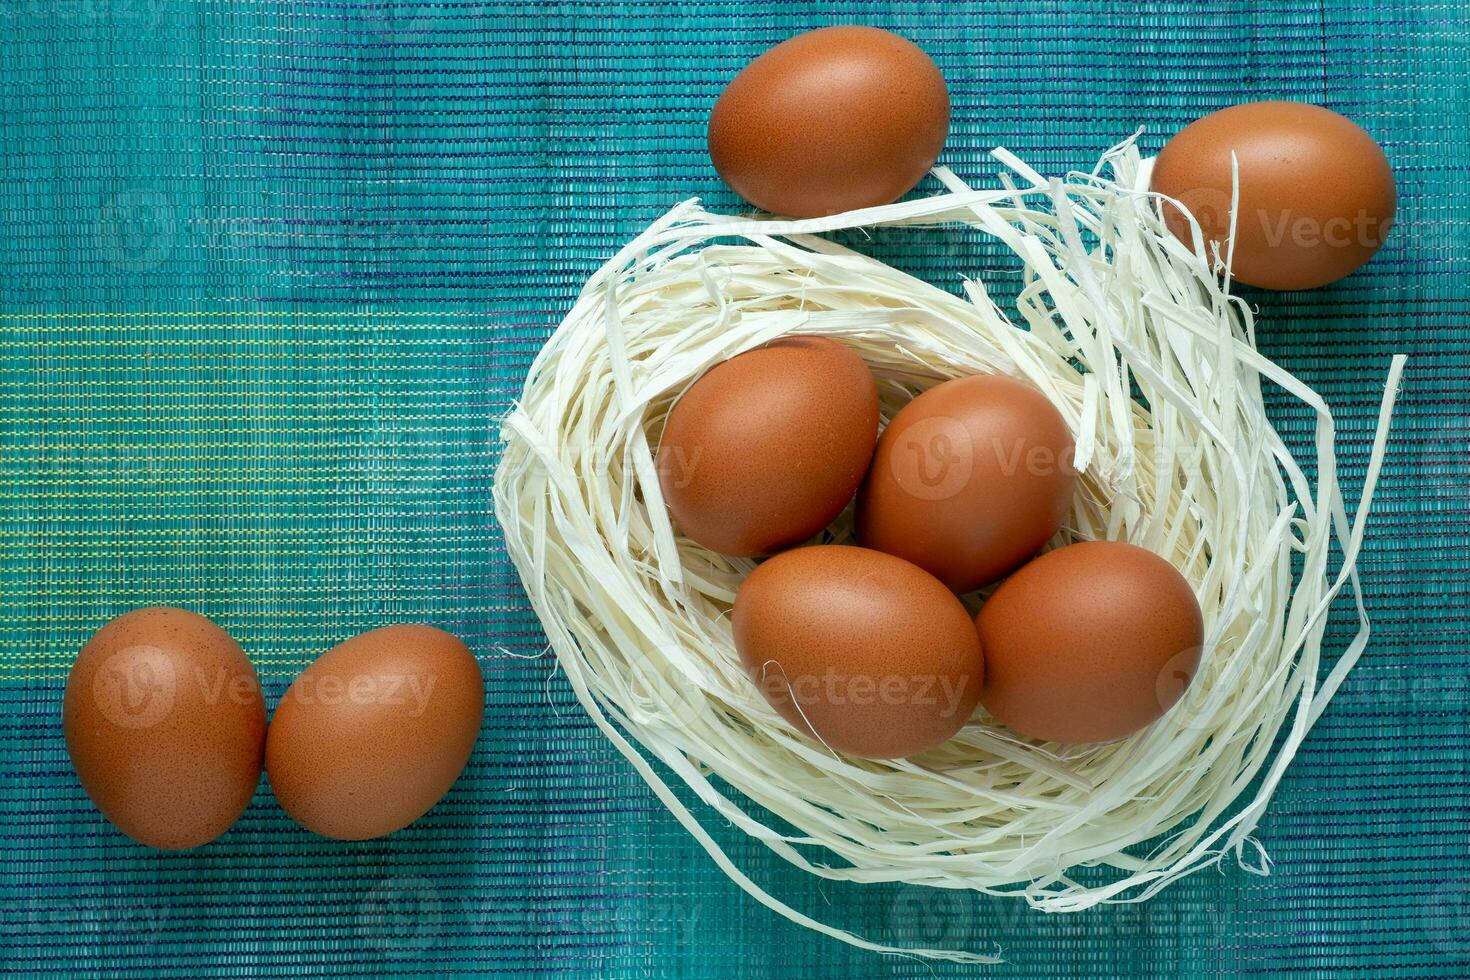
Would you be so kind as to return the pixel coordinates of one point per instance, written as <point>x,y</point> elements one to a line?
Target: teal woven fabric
<point>269,270</point>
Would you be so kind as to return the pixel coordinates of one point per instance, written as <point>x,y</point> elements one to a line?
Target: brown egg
<point>831,120</point>
<point>165,724</point>
<point>375,731</point>
<point>1316,193</point>
<point>970,479</point>
<point>868,652</point>
<point>765,449</point>
<point>1089,642</point>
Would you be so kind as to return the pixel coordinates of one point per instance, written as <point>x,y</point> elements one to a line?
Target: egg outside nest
<point>831,120</point>
<point>375,731</point>
<point>165,724</point>
<point>1309,194</point>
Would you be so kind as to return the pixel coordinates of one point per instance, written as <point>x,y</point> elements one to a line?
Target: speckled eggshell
<point>165,724</point>
<point>831,120</point>
<point>1089,643</point>
<point>872,655</point>
<point>969,480</point>
<point>1317,195</point>
<point>767,448</point>
<point>375,732</point>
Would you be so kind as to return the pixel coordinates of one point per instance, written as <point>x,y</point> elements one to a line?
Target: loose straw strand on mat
<point>1112,303</point>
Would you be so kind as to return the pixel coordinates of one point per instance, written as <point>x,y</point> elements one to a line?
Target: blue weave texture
<point>269,270</point>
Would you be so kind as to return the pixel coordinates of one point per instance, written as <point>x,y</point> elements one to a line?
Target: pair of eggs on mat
<point>165,723</point>
<point>870,649</point>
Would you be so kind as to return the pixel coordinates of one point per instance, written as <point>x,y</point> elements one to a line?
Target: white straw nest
<point>1116,309</point>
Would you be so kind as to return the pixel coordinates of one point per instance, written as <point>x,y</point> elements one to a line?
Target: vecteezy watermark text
<point>834,687</point>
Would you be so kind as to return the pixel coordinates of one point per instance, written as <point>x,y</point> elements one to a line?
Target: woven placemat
<point>382,209</point>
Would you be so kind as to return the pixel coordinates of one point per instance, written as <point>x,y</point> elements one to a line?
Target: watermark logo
<point>136,686</point>
<point>81,13</point>
<point>676,698</point>
<point>1276,227</point>
<point>933,458</point>
<point>399,21</point>
<point>410,691</point>
<point>99,917</point>
<point>939,918</point>
<point>1446,918</point>
<point>401,917</point>
<point>839,689</point>
<point>936,458</point>
<point>1182,693</point>
<point>1361,230</point>
<point>677,466</point>
<point>135,230</point>
<point>1210,208</point>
